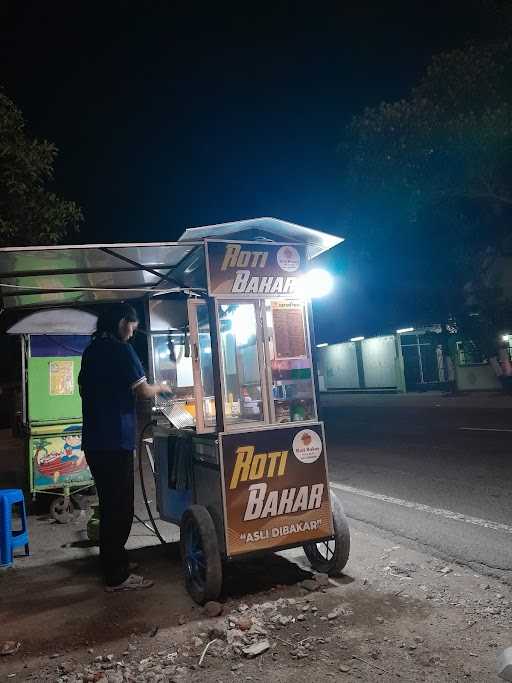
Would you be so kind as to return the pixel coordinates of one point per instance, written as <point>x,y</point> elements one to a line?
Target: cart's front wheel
<point>200,554</point>
<point>331,556</point>
<point>62,510</point>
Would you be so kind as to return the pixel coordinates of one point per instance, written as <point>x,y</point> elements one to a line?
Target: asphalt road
<point>435,471</point>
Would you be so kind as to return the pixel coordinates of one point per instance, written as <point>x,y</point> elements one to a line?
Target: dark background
<point>169,116</point>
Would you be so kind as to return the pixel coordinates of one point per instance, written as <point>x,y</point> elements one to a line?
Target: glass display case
<point>290,372</point>
<point>241,376</point>
<point>205,392</point>
<point>266,372</point>
<point>172,365</point>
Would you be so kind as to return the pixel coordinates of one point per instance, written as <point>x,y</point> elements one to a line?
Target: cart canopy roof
<point>272,229</point>
<point>47,276</point>
<point>85,274</point>
<point>56,321</point>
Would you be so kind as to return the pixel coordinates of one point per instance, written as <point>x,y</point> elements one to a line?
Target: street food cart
<point>238,451</point>
<point>52,342</point>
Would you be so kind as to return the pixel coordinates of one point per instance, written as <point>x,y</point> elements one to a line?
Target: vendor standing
<point>111,377</point>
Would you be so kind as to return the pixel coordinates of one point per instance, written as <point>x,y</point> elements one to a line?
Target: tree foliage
<point>451,139</point>
<point>29,212</point>
<point>433,172</point>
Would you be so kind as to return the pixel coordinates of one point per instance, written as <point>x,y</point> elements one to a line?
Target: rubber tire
<point>198,516</point>
<point>61,512</point>
<point>335,565</point>
<point>93,525</point>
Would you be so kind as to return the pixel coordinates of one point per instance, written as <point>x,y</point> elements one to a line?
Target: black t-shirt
<point>110,372</point>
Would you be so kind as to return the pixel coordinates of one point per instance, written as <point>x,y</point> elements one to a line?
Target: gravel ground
<point>397,614</point>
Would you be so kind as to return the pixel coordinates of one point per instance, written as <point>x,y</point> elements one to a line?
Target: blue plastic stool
<point>10,539</point>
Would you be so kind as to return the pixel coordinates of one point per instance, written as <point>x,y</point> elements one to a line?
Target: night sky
<point>170,116</point>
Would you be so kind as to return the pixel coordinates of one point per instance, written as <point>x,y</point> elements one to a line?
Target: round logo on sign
<point>307,446</point>
<point>288,259</point>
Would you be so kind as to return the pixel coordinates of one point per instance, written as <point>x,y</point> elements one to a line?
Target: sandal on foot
<point>132,583</point>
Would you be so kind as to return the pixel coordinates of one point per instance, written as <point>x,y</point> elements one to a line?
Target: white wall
<point>477,378</point>
<point>339,363</point>
<point>382,368</point>
<point>379,362</point>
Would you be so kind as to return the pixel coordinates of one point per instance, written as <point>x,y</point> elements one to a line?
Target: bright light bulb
<point>315,284</point>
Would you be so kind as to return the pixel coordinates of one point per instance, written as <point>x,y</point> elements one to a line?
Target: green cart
<point>52,342</point>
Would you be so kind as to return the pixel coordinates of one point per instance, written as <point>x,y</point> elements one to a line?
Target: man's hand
<point>145,390</point>
<point>164,391</point>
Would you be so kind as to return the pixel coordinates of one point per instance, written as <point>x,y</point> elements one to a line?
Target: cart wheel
<point>62,510</point>
<point>330,557</point>
<point>93,525</point>
<point>200,554</point>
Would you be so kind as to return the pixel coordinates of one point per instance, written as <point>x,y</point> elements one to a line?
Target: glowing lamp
<point>316,283</point>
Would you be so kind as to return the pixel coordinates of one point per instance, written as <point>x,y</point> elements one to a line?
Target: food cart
<point>239,453</point>
<point>52,342</point>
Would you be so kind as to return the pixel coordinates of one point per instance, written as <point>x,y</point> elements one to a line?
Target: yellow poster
<point>61,378</point>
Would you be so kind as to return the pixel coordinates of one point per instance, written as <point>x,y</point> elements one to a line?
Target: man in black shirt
<point>111,377</point>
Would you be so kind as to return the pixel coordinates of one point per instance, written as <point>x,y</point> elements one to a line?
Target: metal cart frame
<point>244,483</point>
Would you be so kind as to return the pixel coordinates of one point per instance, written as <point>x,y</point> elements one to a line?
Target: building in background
<point>412,359</point>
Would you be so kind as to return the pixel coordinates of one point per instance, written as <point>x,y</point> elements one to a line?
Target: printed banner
<point>254,270</point>
<point>289,332</point>
<point>58,459</point>
<point>275,488</point>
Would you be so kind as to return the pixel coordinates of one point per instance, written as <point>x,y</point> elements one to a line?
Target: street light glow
<point>316,283</point>
<point>405,329</point>
<point>357,339</point>
<point>320,346</point>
